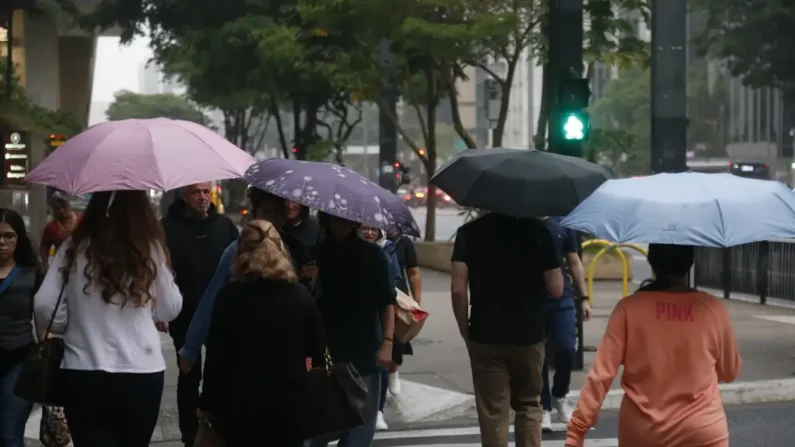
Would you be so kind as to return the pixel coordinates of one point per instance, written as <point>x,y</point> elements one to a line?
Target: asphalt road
<point>764,425</point>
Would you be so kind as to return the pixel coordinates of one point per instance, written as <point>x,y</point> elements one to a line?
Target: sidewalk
<point>765,336</point>
<point>437,383</point>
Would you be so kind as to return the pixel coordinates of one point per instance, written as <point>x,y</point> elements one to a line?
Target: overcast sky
<point>116,67</point>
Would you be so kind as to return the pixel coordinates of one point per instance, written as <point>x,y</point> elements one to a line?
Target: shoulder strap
<point>9,279</point>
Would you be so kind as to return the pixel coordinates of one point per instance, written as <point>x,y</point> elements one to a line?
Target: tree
<point>251,60</point>
<point>506,33</point>
<point>622,119</point>
<point>17,111</point>
<point>426,41</point>
<point>127,105</point>
<point>754,39</point>
<point>609,37</point>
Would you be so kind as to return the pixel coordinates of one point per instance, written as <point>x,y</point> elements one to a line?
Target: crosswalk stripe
<point>466,436</point>
<point>436,432</point>
<point>588,443</point>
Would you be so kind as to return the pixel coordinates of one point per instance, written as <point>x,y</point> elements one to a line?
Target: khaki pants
<point>508,377</point>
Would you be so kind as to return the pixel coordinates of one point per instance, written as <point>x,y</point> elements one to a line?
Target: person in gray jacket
<point>20,277</point>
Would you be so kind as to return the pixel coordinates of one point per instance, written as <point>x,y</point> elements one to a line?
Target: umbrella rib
<point>154,153</point>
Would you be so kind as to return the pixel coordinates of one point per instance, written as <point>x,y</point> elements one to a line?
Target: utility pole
<point>387,131</point>
<point>669,86</point>
<point>569,123</point>
<point>568,98</point>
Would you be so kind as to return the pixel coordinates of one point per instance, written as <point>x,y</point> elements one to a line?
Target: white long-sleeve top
<point>106,337</point>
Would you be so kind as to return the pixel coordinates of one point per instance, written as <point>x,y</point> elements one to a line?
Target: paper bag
<point>409,318</point>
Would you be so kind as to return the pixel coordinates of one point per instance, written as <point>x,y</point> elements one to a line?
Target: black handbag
<point>39,379</point>
<point>338,397</point>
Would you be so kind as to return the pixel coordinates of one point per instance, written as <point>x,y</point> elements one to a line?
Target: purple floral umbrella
<point>334,190</point>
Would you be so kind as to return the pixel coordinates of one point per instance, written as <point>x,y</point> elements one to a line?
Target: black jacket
<point>255,376</point>
<point>196,247</point>
<point>306,231</point>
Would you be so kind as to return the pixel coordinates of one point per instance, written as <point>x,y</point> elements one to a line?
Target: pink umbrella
<point>141,154</point>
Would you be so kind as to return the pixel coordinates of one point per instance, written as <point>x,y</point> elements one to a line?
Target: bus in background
<point>741,169</point>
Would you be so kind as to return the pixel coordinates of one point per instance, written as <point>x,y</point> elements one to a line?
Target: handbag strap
<point>54,311</point>
<point>9,279</point>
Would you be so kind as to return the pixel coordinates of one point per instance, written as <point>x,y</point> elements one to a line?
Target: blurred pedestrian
<point>64,221</point>
<point>196,236</point>
<point>117,285</point>
<point>411,284</point>
<point>264,327</point>
<point>675,344</point>
<point>301,224</point>
<point>263,206</point>
<point>561,322</point>
<point>510,266</point>
<point>357,304</point>
<point>376,236</point>
<point>20,277</point>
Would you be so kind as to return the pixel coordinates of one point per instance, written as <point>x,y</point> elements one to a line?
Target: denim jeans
<point>14,411</point>
<point>361,436</point>
<point>561,332</point>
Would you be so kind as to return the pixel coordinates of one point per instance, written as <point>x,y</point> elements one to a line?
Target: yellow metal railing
<point>608,247</point>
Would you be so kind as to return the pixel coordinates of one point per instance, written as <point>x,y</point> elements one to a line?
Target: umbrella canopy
<point>519,183</point>
<point>334,190</point>
<point>143,154</point>
<point>707,210</point>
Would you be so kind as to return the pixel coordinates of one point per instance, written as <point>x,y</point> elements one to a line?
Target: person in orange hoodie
<point>675,343</point>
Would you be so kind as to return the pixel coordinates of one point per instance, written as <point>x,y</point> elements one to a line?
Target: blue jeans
<point>14,411</point>
<point>361,436</point>
<point>562,333</point>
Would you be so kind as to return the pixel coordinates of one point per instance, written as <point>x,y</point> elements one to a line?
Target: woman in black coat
<point>265,333</point>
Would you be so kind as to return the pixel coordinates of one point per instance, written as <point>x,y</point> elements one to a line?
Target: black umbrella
<point>519,183</point>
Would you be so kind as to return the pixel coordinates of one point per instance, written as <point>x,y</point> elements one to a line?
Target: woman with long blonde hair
<point>107,287</point>
<point>264,328</point>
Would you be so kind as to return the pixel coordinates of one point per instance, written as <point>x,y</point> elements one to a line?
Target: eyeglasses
<point>8,237</point>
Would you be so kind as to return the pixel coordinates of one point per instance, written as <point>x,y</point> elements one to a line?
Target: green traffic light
<point>573,128</point>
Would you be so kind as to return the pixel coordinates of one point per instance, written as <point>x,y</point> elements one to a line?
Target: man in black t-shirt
<point>510,266</point>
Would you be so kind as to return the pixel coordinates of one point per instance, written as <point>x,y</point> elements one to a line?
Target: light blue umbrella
<point>706,210</point>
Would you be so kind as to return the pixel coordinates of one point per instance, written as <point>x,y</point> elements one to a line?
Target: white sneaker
<point>546,422</point>
<point>564,410</point>
<point>380,423</point>
<point>394,384</point>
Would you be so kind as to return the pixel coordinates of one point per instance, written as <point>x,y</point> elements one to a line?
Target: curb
<point>738,393</point>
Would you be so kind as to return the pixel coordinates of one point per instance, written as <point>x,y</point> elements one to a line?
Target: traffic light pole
<point>669,86</point>
<point>565,59</point>
<point>566,63</point>
<point>387,131</point>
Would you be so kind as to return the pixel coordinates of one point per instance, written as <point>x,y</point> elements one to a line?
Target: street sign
<point>16,157</point>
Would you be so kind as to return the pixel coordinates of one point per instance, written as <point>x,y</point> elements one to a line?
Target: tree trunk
<point>505,101</point>
<point>540,138</point>
<point>430,149</point>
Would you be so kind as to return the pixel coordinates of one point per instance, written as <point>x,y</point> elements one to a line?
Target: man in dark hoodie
<point>301,224</point>
<point>196,236</point>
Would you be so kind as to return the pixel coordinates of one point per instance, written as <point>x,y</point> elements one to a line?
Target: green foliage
<point>19,112</point>
<point>611,34</point>
<point>127,105</point>
<point>755,39</point>
<point>622,119</point>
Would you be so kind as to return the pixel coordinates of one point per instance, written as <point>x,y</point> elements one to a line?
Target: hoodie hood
<point>177,209</point>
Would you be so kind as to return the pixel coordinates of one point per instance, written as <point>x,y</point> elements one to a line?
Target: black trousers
<point>187,388</point>
<point>112,409</point>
